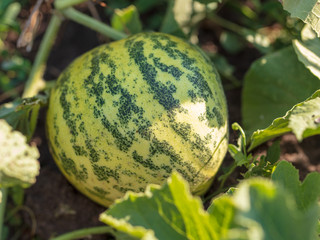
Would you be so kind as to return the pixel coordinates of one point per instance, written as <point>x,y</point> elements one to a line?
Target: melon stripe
<point>149,73</point>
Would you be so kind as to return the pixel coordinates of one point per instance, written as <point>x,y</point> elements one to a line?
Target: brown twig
<point>29,30</point>
<point>93,10</point>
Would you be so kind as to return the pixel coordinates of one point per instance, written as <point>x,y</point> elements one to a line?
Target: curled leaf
<point>22,114</point>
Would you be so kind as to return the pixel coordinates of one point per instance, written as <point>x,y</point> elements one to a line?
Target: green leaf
<point>273,153</point>
<point>269,211</point>
<point>307,10</point>
<point>222,211</point>
<point>22,114</point>
<point>237,155</point>
<point>264,166</point>
<point>167,212</point>
<point>308,53</point>
<point>18,165</point>
<point>257,209</point>
<point>272,86</point>
<point>307,193</point>
<point>127,20</point>
<point>262,209</point>
<point>303,120</point>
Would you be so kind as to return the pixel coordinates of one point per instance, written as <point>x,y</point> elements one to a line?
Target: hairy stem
<point>33,84</point>
<point>61,4</point>
<point>93,24</point>
<point>84,232</point>
<point>4,194</point>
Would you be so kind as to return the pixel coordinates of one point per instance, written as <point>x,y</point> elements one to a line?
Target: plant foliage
<point>281,208</point>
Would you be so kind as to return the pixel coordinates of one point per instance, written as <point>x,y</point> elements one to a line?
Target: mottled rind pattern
<point>128,113</point>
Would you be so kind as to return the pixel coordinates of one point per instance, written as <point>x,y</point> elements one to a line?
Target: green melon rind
<point>128,113</point>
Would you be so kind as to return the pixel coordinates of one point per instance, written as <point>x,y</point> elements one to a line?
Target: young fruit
<point>128,113</point>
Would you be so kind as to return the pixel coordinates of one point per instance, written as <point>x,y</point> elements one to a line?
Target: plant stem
<point>33,121</point>
<point>93,24</point>
<point>35,78</point>
<point>4,193</point>
<point>61,4</point>
<point>84,232</point>
<point>258,40</point>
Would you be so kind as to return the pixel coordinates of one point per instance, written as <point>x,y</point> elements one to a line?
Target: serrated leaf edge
<point>284,120</point>
<point>139,231</point>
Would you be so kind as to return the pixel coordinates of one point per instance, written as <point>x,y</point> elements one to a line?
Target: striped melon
<point>128,113</point>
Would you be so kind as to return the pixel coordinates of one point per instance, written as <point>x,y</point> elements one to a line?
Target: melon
<point>129,113</point>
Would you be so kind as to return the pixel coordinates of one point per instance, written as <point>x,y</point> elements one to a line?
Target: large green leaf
<point>261,209</point>
<point>307,193</point>
<point>306,10</point>
<point>303,120</point>
<point>269,205</point>
<point>258,209</point>
<point>18,164</point>
<point>169,212</point>
<point>272,86</point>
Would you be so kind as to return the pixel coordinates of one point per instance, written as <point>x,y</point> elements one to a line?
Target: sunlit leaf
<point>272,86</point>
<point>303,120</point>
<point>167,212</point>
<point>308,52</point>
<point>257,209</point>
